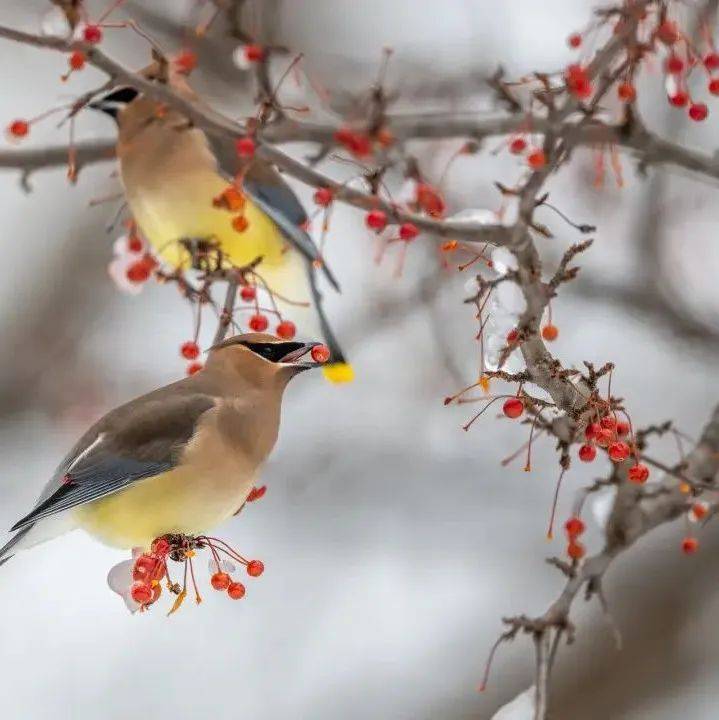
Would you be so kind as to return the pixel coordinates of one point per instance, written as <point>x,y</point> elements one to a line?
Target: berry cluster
<point>663,37</point>
<point>150,568</point>
<point>574,527</point>
<point>609,434</point>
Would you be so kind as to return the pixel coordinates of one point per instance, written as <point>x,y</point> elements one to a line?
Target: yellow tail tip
<point>339,372</point>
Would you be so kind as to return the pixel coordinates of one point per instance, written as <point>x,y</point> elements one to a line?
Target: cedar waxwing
<point>181,459</point>
<point>175,178</point>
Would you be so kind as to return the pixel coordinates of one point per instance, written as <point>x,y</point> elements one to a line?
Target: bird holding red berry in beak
<point>179,460</point>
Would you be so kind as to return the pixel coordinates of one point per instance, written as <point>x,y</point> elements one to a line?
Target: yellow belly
<point>182,208</point>
<point>178,501</point>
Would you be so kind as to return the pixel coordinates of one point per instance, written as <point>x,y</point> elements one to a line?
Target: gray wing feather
<point>136,441</point>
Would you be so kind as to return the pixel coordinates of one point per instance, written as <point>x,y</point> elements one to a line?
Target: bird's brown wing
<point>136,441</point>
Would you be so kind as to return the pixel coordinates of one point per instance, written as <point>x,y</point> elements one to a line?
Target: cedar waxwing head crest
<point>260,355</point>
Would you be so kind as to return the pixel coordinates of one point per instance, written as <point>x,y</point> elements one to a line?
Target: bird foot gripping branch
<point>140,580</point>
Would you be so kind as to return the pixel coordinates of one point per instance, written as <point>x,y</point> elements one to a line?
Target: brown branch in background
<point>635,514</point>
<point>226,313</point>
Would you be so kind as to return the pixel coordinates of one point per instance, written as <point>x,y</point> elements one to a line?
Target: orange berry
<point>141,592</point>
<point>536,159</point>
<point>550,332</point>
<point>690,545</point>
<point>220,581</point>
<point>236,590</point>
<point>574,526</point>
<point>77,60</point>
<point>320,353</point>
<point>19,128</point>
<point>239,223</point>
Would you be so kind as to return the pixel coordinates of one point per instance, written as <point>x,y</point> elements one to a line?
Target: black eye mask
<point>274,352</point>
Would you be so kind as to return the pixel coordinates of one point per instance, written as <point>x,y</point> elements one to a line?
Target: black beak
<point>294,357</point>
<point>113,102</point>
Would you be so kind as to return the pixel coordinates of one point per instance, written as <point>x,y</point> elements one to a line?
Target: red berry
<point>245,147</point>
<point>141,592</point>
<point>254,53</point>
<point>592,430</point>
<point>609,422</point>
<point>286,330</point>
<point>578,83</point>
<point>139,271</point>
<point>667,32</point>
<point>574,40</point>
<point>713,86</point>
<point>674,65</point>
<point>92,34</point>
<point>639,473</point>
<point>408,231</point>
<point>587,453</point>
<point>575,550</point>
<point>550,332</point>
<point>160,547</point>
<point>194,367</point>
<point>189,350</point>
<point>134,244</point>
<point>144,568</point>
<point>236,590</point>
<point>248,293</point>
<point>622,428</point>
<point>359,144</point>
<point>604,437</point>
<point>240,223</point>
<point>619,451</point>
<point>376,220</point>
<point>19,128</point>
<point>323,196</point>
<point>255,568</point>
<point>258,323</point>
<point>512,336</point>
<point>536,159</point>
<point>699,510</point>
<point>626,92</point>
<point>711,61</point>
<point>513,407</point>
<point>186,62</point>
<point>698,112</point>
<point>256,493</point>
<point>430,200</point>
<point>574,526</point>
<point>679,99</point>
<point>77,60</point>
<point>220,581</point>
<point>320,353</point>
<point>518,146</point>
<point>690,545</point>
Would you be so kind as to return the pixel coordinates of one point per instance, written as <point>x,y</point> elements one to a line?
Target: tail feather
<point>36,533</point>
<point>6,550</point>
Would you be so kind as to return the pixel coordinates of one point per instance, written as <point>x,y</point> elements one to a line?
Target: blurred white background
<point>394,542</point>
